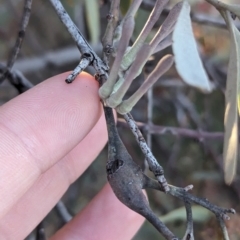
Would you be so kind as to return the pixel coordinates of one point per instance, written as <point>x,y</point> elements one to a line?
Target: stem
<point>63,212</point>
<point>152,218</point>
<point>107,40</point>
<point>40,232</point>
<point>127,179</point>
<point>113,136</point>
<point>223,228</point>
<point>78,69</point>
<point>83,46</point>
<point>189,231</point>
<point>154,166</point>
<point>20,37</point>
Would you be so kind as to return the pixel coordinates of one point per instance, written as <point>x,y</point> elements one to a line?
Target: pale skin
<point>49,136</point>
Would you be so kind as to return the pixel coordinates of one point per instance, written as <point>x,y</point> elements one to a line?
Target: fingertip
<point>104,218</point>
<point>42,125</point>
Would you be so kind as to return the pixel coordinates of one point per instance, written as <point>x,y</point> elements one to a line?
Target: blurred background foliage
<point>48,50</point>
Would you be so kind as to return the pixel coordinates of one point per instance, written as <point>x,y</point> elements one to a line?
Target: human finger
<point>104,218</point>
<point>51,185</point>
<point>40,127</point>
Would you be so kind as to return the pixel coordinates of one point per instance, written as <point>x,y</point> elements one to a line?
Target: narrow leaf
<point>168,25</point>
<point>187,59</point>
<point>163,65</point>
<point>93,20</point>
<point>232,100</point>
<point>108,86</point>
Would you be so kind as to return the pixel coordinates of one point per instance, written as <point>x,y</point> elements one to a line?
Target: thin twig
<point>223,228</point>
<point>57,59</point>
<point>86,50</point>
<point>149,123</point>
<point>17,79</point>
<point>63,211</point>
<point>40,231</point>
<point>107,40</point>
<point>184,132</point>
<point>85,61</point>
<point>20,37</point>
<point>154,166</point>
<point>181,193</point>
<point>149,115</point>
<point>189,231</point>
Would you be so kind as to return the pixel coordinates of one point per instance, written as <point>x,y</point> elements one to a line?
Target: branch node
<point>109,17</point>
<point>188,188</point>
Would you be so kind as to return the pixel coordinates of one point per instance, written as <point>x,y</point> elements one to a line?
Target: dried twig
<point>184,132</point>
<point>20,37</point>
<point>107,40</point>
<point>57,59</point>
<point>88,54</point>
<point>152,162</point>
<point>189,231</point>
<point>17,79</point>
<point>40,232</point>
<point>149,123</point>
<point>63,211</point>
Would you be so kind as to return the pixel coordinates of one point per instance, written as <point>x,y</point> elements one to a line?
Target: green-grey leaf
<point>200,214</point>
<point>232,101</point>
<point>93,20</point>
<point>187,59</point>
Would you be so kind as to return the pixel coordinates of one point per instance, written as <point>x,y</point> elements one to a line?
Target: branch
<point>154,166</point>
<point>127,179</point>
<point>17,79</point>
<point>189,231</point>
<point>60,58</point>
<point>85,49</point>
<point>63,211</point>
<point>107,40</point>
<point>184,132</point>
<point>40,232</point>
<point>149,123</point>
<point>20,37</point>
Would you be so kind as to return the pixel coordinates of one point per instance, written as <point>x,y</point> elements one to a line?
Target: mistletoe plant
<point>127,61</point>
